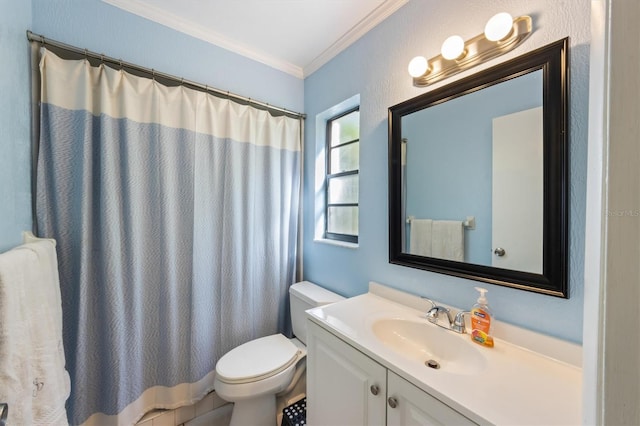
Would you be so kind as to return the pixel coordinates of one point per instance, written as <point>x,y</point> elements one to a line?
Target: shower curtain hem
<point>133,412</point>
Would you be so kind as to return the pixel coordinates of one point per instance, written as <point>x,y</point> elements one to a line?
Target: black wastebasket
<point>295,414</point>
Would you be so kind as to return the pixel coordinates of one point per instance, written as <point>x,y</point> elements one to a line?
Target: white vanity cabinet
<point>346,387</point>
<point>415,407</point>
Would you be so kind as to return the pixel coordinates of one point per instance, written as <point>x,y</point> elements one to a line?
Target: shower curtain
<point>176,215</point>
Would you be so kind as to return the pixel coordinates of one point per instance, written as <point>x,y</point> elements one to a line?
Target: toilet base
<point>260,411</point>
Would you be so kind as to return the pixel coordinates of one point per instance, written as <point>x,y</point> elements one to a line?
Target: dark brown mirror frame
<point>553,61</point>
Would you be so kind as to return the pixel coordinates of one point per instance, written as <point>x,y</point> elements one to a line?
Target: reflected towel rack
<point>469,223</point>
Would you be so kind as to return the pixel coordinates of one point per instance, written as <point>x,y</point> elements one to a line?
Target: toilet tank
<point>306,295</point>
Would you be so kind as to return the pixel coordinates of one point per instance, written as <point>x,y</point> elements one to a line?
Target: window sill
<point>336,243</point>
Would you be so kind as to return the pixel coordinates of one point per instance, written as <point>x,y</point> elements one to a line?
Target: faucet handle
<point>434,314</point>
<point>458,324</point>
<point>433,304</point>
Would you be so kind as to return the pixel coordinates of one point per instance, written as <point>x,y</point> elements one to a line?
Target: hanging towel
<point>420,238</point>
<point>33,380</point>
<point>447,240</point>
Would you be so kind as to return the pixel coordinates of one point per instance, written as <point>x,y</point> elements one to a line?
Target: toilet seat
<point>257,360</point>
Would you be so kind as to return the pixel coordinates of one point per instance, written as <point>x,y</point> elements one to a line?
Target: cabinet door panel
<point>339,383</point>
<point>417,408</point>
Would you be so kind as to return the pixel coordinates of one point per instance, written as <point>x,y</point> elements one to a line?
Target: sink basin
<point>426,343</point>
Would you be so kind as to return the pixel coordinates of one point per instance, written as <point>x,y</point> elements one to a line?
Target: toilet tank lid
<point>313,294</point>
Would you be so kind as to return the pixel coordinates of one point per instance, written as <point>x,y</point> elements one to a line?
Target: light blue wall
<point>99,27</point>
<point>375,67</point>
<point>450,147</point>
<point>15,123</point>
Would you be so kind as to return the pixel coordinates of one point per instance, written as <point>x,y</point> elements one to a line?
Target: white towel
<point>33,380</point>
<point>420,238</point>
<point>447,240</point>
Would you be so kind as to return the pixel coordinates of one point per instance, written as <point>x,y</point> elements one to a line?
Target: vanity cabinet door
<point>344,386</point>
<point>413,407</point>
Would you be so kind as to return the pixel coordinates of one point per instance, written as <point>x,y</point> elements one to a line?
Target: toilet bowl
<point>254,373</point>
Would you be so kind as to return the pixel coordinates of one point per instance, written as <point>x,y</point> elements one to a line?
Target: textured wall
<point>15,123</point>
<point>375,67</point>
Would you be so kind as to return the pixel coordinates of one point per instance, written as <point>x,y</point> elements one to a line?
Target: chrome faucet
<point>458,323</point>
<point>454,324</point>
<point>434,314</point>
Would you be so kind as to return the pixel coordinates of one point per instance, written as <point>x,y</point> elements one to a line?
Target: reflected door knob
<point>499,251</point>
<point>374,389</point>
<point>393,403</point>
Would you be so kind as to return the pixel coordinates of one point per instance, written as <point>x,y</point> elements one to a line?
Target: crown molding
<point>378,15</point>
<point>178,23</point>
<point>173,21</point>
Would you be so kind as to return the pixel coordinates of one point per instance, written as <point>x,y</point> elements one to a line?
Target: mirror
<point>478,175</point>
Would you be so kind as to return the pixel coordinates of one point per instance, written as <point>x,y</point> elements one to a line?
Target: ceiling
<point>294,36</point>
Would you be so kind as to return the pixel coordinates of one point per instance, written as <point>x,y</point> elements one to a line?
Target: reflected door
<point>517,196</point>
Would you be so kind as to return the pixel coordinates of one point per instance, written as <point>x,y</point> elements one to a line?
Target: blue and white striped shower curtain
<point>176,219</point>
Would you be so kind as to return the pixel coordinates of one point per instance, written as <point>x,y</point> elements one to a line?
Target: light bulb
<point>498,27</point>
<point>452,48</point>
<point>418,66</point>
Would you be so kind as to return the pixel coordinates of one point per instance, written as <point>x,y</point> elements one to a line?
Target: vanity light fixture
<point>502,33</point>
<point>453,48</point>
<point>498,27</point>
<point>418,66</point>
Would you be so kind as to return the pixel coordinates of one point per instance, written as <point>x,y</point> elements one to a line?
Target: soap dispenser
<point>481,320</point>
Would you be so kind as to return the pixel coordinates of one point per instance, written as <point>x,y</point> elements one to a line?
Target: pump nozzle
<point>482,299</point>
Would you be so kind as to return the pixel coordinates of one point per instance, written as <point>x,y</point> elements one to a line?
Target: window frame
<point>350,238</point>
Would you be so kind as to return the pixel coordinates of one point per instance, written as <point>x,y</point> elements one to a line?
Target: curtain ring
<point>86,55</point>
<point>153,74</point>
<point>121,66</point>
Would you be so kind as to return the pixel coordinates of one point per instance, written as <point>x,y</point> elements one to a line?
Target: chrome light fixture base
<point>477,50</point>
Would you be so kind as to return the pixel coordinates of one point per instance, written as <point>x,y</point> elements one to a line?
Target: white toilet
<point>252,374</point>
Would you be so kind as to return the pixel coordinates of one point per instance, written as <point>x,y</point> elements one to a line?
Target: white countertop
<point>516,386</point>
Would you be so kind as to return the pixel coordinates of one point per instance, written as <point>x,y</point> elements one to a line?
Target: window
<point>342,180</point>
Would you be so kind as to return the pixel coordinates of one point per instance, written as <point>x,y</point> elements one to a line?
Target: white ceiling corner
<point>298,44</point>
<point>376,16</point>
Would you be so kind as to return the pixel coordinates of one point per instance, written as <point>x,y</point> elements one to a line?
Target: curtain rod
<point>150,72</point>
